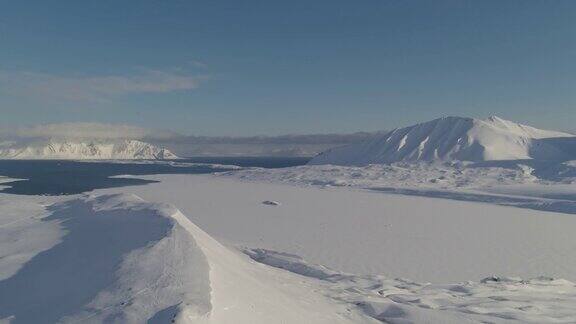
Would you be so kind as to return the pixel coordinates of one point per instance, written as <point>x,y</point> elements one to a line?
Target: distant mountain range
<point>456,138</point>
<point>83,150</point>
<point>281,146</point>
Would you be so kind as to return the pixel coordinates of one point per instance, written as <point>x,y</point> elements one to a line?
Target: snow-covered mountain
<point>456,138</point>
<point>84,149</point>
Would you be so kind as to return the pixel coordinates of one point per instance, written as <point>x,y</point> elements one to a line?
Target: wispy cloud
<point>96,88</point>
<point>83,130</point>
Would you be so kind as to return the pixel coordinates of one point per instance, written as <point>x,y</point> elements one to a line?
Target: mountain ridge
<point>455,138</point>
<point>52,149</point>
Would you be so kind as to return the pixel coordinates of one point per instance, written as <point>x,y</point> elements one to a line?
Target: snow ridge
<point>456,138</point>
<point>120,259</point>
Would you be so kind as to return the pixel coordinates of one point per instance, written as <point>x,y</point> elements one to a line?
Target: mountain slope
<point>78,150</point>
<point>456,138</point>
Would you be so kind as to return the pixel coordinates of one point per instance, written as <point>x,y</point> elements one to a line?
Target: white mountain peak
<point>456,138</point>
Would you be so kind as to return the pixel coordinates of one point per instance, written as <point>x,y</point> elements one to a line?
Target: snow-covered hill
<point>79,150</point>
<point>456,138</point>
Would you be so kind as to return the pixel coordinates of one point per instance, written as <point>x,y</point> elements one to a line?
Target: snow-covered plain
<point>549,186</point>
<point>369,232</point>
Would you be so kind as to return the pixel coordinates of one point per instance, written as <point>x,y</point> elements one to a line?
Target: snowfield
<point>547,186</point>
<point>369,232</point>
<point>401,175</point>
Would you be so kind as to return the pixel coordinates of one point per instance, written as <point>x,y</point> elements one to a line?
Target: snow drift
<point>456,138</point>
<point>79,150</point>
<point>120,259</point>
<point>492,300</point>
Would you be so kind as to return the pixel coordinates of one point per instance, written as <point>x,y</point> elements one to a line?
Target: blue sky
<point>276,67</point>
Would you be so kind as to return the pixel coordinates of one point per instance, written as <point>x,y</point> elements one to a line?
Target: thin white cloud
<point>84,131</point>
<point>96,88</point>
<point>198,64</point>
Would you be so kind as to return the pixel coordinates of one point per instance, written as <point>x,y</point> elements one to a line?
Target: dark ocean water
<point>51,177</point>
